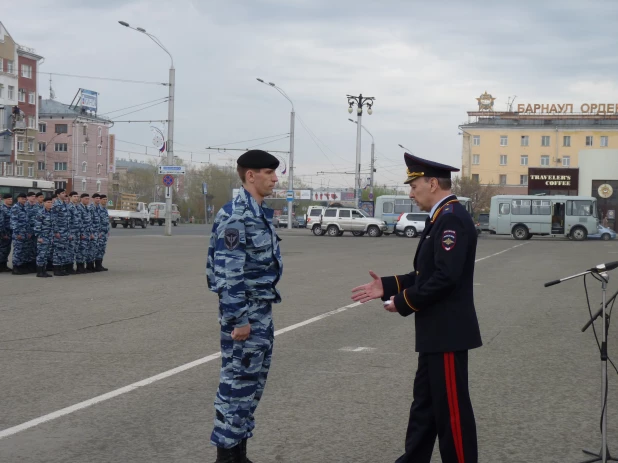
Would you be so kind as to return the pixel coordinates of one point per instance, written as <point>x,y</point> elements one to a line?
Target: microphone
<point>604,267</point>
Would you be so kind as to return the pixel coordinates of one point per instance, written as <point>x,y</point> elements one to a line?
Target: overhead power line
<point>105,78</point>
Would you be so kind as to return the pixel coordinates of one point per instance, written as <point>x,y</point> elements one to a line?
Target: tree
<point>479,194</point>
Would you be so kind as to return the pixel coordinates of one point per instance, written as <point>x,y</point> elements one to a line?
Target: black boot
<point>99,266</point>
<point>40,272</point>
<point>243,449</point>
<point>59,271</point>
<point>68,268</point>
<point>80,268</point>
<point>89,267</point>
<point>233,455</point>
<point>4,267</point>
<point>96,266</point>
<point>33,266</point>
<point>50,267</point>
<point>18,270</point>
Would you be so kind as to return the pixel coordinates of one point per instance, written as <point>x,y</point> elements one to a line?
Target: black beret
<point>96,195</point>
<point>73,193</point>
<point>31,193</point>
<point>418,167</point>
<point>258,159</point>
<point>22,195</point>
<point>6,196</point>
<point>54,196</point>
<point>103,196</point>
<point>85,195</point>
<point>47,198</point>
<point>40,193</point>
<point>59,190</point>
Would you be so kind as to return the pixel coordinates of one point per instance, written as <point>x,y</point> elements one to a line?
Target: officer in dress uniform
<point>439,293</point>
<point>243,267</point>
<point>5,231</point>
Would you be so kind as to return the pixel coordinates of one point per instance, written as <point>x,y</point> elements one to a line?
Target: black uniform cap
<point>85,195</point>
<point>6,196</point>
<point>258,159</point>
<point>40,193</point>
<point>59,190</point>
<point>31,193</point>
<point>418,167</point>
<point>22,195</point>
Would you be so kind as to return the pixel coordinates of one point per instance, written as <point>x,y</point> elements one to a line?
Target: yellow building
<point>536,142</point>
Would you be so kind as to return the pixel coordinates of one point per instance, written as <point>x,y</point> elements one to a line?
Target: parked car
<point>301,222</point>
<point>336,221</point>
<point>411,224</point>
<point>283,221</point>
<point>604,234</point>
<point>484,222</point>
<point>313,219</point>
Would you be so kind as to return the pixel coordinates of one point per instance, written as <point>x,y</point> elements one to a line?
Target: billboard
<point>88,100</point>
<point>552,178</point>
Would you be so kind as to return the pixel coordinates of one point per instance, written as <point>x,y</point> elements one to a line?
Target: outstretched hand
<point>369,291</point>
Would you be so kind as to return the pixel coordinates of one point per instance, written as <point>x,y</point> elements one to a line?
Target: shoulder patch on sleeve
<point>449,239</point>
<point>231,238</point>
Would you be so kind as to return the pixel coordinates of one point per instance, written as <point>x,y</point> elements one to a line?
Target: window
<point>60,166</point>
<point>524,160</point>
<point>62,128</point>
<point>20,169</point>
<point>26,71</point>
<point>99,187</point>
<point>84,166</point>
<point>42,128</point>
<point>99,150</point>
<point>505,209</point>
<point>11,95</point>
<point>330,213</point>
<point>566,161</point>
<point>61,185</point>
<point>504,140</point>
<point>20,145</point>
<point>61,147</point>
<point>2,121</point>
<point>9,169</point>
<point>476,140</point>
<point>524,140</point>
<point>84,129</point>
<point>99,169</point>
<point>503,179</point>
<point>31,145</point>
<point>523,179</point>
<point>1,86</point>
<point>476,159</point>
<point>475,177</point>
<point>403,205</point>
<point>1,65</point>
<point>544,160</point>
<point>580,208</point>
<point>545,140</point>
<point>31,122</point>
<point>83,185</point>
<point>589,140</point>
<point>521,207</point>
<point>503,159</point>
<point>566,140</point>
<point>85,148</point>
<point>32,98</point>
<point>344,214</point>
<point>42,146</point>
<point>9,67</point>
<point>604,141</point>
<point>31,170</point>
<point>355,214</point>
<point>100,131</point>
<point>387,208</point>
<point>21,95</point>
<point>541,207</point>
<point>41,165</point>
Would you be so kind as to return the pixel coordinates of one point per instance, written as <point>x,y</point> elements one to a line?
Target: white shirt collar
<point>438,204</point>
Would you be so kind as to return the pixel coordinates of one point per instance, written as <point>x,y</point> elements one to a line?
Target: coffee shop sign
<point>567,108</point>
<point>553,180</point>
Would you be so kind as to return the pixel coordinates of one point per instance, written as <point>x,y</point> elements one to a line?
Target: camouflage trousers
<point>102,245</point>
<point>21,250</point>
<point>93,248</point>
<point>244,369</point>
<point>73,248</point>
<point>82,251</point>
<point>43,250</point>
<point>5,249</point>
<point>61,250</point>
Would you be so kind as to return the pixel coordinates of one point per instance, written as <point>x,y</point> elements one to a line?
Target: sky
<point>424,62</point>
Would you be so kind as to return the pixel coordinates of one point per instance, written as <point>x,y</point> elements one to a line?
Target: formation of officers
<point>64,233</point>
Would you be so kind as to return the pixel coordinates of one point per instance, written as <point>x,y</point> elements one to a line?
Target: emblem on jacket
<point>232,238</point>
<point>449,238</point>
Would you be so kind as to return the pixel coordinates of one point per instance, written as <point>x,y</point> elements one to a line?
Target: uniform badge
<point>231,238</point>
<point>449,238</point>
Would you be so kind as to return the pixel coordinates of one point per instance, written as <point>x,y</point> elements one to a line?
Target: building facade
<point>74,148</point>
<point>544,149</point>
<point>8,96</point>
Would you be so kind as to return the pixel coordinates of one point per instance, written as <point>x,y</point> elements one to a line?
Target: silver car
<point>411,224</point>
<point>335,221</point>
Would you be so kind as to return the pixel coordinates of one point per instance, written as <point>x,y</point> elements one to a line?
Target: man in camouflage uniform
<point>74,231</point>
<point>243,267</point>
<point>96,232</point>
<point>85,235</point>
<point>104,216</point>
<point>5,231</point>
<point>21,235</point>
<point>43,230</point>
<point>32,210</point>
<point>61,227</point>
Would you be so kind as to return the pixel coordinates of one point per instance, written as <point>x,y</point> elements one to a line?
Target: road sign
<point>370,195</point>
<point>172,170</point>
<point>168,180</point>
<point>110,203</point>
<point>205,188</point>
<point>168,192</point>
<point>289,196</point>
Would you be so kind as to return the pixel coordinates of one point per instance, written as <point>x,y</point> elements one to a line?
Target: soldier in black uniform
<point>439,292</point>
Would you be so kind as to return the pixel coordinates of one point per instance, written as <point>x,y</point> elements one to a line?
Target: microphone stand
<point>603,456</point>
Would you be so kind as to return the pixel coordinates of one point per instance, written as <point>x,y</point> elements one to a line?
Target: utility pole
<point>372,159</point>
<point>360,101</point>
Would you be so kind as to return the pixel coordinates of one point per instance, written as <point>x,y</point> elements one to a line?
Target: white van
<point>312,219</point>
<point>156,213</point>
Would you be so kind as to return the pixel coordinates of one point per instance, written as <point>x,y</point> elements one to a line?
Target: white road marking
<point>358,349</point>
<point>166,374</point>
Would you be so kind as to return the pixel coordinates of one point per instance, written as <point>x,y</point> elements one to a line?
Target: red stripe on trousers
<point>453,403</point>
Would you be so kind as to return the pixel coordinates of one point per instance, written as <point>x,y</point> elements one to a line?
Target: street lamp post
<point>372,160</point>
<point>170,123</point>
<point>360,101</point>
<point>291,166</point>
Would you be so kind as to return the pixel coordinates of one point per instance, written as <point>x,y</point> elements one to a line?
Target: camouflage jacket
<point>104,219</point>
<point>33,211</point>
<point>20,223</point>
<point>96,219</point>
<point>60,217</point>
<point>244,259</point>
<point>43,225</point>
<point>5,220</point>
<point>75,220</point>
<point>85,219</point>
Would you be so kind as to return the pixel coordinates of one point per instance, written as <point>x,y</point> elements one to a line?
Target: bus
<point>389,207</point>
<point>523,216</point>
<point>17,185</point>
